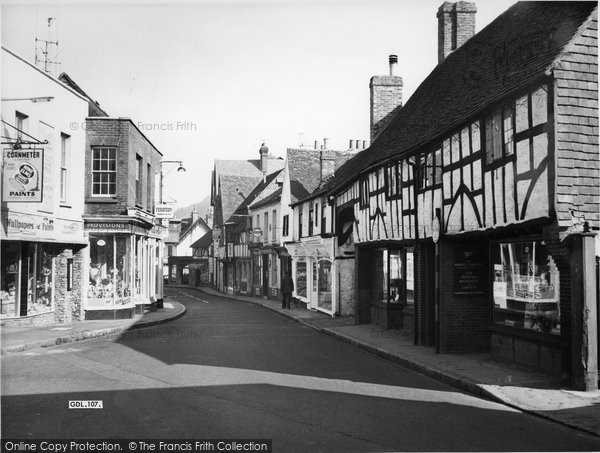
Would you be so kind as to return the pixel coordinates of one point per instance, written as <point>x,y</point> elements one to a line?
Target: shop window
<point>526,287</point>
<point>110,271</point>
<point>257,268</point>
<point>300,283</point>
<point>274,279</point>
<point>40,279</point>
<point>9,294</point>
<point>325,277</point>
<point>104,171</point>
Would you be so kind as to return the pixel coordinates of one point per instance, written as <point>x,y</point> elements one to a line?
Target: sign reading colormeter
<point>22,176</point>
<point>164,211</point>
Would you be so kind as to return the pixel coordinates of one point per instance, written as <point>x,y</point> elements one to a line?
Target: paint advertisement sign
<point>22,175</point>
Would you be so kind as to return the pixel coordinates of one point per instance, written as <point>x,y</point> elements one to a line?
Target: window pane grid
<point>104,174</point>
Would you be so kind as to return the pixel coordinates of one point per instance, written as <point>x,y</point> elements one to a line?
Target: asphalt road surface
<point>230,369</point>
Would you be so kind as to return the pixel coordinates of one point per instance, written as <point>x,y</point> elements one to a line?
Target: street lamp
<point>179,169</point>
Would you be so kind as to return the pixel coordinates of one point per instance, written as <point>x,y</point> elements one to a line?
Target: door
<point>314,285</point>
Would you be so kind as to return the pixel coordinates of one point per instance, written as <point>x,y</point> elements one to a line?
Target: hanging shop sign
<point>22,175</point>
<point>138,213</point>
<point>469,272</point>
<point>164,211</point>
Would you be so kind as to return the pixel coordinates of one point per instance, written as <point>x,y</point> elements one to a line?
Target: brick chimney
<point>264,159</point>
<point>456,24</point>
<point>386,98</point>
<point>327,159</point>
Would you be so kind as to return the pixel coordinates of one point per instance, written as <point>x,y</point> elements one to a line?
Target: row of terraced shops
<point>472,220</point>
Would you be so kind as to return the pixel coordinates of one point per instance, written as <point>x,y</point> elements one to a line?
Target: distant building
<point>235,184</point>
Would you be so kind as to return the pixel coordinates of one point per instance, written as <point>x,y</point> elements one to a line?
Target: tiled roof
<point>94,108</point>
<point>517,49</point>
<point>204,241</point>
<point>199,221</point>
<point>272,198</point>
<point>233,191</point>
<point>248,168</point>
<point>305,170</point>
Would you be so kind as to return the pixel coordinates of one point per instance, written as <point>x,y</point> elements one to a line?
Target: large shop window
<point>526,287</point>
<point>32,265</point>
<point>110,271</point>
<point>301,279</point>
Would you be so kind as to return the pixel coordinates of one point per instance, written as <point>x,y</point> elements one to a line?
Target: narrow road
<point>230,369</point>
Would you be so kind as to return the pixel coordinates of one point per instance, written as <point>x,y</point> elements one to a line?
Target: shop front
<point>389,287</point>
<point>314,275</point>
<point>124,272</point>
<point>41,257</point>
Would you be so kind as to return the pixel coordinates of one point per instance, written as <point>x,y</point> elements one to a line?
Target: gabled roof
<point>94,108</point>
<point>513,52</point>
<point>275,197</point>
<point>198,222</point>
<point>204,241</point>
<point>247,168</point>
<point>304,166</point>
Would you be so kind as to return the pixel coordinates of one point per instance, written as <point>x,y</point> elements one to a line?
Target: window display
<point>9,294</point>
<point>526,287</point>
<point>35,268</point>
<point>40,287</point>
<point>325,277</point>
<point>301,279</point>
<point>109,279</point>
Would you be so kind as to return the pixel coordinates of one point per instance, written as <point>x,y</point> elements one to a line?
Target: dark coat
<point>287,284</point>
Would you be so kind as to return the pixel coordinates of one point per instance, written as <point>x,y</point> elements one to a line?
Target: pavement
<point>478,374</point>
<point>19,339</point>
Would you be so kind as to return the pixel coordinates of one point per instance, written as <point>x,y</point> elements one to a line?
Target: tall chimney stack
<point>456,25</point>
<point>386,98</point>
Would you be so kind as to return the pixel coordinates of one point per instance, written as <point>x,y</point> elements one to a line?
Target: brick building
<point>475,212</point>
<point>124,258</point>
<point>41,232</point>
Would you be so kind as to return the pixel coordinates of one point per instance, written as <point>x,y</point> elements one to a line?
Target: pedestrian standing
<point>287,287</point>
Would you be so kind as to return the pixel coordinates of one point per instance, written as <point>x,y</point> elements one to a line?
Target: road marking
<point>193,297</point>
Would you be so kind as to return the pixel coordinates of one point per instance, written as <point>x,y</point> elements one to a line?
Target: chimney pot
<point>316,144</point>
<point>351,147</point>
<point>324,143</point>
<point>393,64</point>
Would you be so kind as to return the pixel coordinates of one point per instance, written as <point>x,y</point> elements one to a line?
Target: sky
<point>206,80</point>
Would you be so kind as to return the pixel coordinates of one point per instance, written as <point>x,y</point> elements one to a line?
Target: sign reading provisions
<point>164,211</point>
<point>22,175</point>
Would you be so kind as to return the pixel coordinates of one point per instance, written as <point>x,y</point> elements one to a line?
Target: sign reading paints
<point>164,211</point>
<point>22,176</point>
